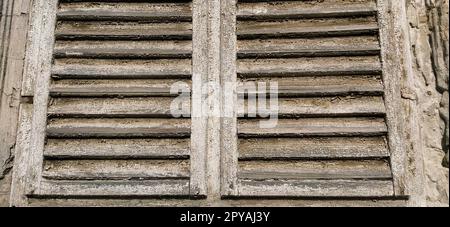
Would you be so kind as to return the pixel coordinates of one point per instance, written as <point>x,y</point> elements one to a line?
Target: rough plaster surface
<point>5,188</point>
<point>428,26</point>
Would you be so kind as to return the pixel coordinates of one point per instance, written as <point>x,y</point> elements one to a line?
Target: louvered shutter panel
<point>331,138</point>
<point>109,130</point>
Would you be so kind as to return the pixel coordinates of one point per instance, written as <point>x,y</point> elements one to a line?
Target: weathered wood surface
<point>321,170</point>
<point>301,9</point>
<point>110,149</point>
<point>134,127</point>
<point>330,138</point>
<point>397,64</point>
<point>21,160</point>
<point>123,31</point>
<point>316,86</point>
<point>322,55</point>
<point>310,28</point>
<point>35,81</point>
<point>117,107</point>
<point>115,169</point>
<point>324,107</point>
<point>367,65</point>
<point>316,188</point>
<point>123,69</point>
<point>13,36</point>
<point>313,148</point>
<point>314,127</point>
<point>110,130</point>
<point>201,60</point>
<point>118,88</point>
<point>125,11</point>
<point>228,125</point>
<point>149,188</point>
<point>123,49</point>
<point>312,47</point>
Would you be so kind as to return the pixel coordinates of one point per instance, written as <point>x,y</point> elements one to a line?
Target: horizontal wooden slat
<point>313,148</point>
<point>315,86</point>
<point>115,169</point>
<point>125,11</point>
<point>258,170</point>
<point>118,107</point>
<point>123,49</point>
<point>150,188</point>
<point>320,107</point>
<point>117,149</point>
<point>316,188</point>
<point>314,127</point>
<point>118,88</point>
<point>152,127</point>
<point>123,69</point>
<point>302,9</point>
<point>123,30</point>
<point>309,66</point>
<point>306,28</point>
<point>288,48</point>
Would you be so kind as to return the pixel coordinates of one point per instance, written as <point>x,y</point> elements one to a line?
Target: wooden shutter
<point>332,138</point>
<point>101,123</point>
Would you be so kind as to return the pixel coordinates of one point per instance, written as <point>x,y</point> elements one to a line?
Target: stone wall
<point>428,90</point>
<point>13,34</point>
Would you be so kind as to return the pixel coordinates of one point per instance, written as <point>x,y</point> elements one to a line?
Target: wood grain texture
<point>126,30</point>
<point>316,188</point>
<point>135,127</point>
<point>200,71</point>
<point>109,116</point>
<point>125,11</point>
<point>313,148</point>
<point>21,162</point>
<point>395,67</point>
<point>117,149</point>
<point>331,66</point>
<point>330,137</point>
<point>123,69</point>
<point>324,107</point>
<point>123,49</point>
<point>308,47</point>
<point>229,138</point>
<point>40,70</point>
<point>115,169</point>
<point>315,127</point>
<point>319,86</point>
<point>331,141</point>
<point>300,9</point>
<point>306,28</point>
<point>119,88</point>
<point>13,37</point>
<point>319,170</point>
<point>108,189</point>
<point>115,107</point>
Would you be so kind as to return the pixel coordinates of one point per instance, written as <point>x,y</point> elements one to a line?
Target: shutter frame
<point>229,139</point>
<point>28,181</point>
<point>393,42</point>
<point>391,72</point>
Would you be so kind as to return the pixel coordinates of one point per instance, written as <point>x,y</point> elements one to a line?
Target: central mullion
<point>199,77</point>
<point>214,122</point>
<point>229,140</point>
